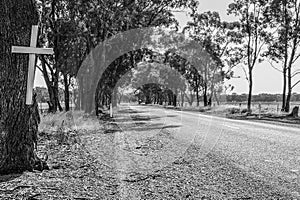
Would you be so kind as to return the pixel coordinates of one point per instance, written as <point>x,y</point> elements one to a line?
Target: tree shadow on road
<point>140,118</point>
<point>130,111</point>
<point>149,127</point>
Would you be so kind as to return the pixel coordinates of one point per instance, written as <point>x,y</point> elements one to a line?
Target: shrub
<point>245,110</point>
<point>233,111</point>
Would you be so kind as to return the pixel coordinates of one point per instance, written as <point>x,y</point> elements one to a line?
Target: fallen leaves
<point>93,162</point>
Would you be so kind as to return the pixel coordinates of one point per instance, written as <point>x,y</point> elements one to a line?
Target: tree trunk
<point>66,93</point>
<point>18,122</point>
<point>284,90</point>
<point>198,98</point>
<point>209,103</point>
<point>216,97</point>
<point>148,97</point>
<point>205,100</point>
<point>289,95</point>
<point>56,92</point>
<point>80,93</point>
<point>161,99</point>
<point>175,100</point>
<point>250,91</point>
<point>52,86</point>
<point>286,54</point>
<point>212,90</point>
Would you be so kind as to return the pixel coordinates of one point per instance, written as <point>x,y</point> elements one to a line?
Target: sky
<point>266,78</point>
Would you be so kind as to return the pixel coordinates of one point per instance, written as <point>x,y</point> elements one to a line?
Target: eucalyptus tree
<point>73,52</point>
<point>253,30</point>
<point>187,71</point>
<point>18,122</point>
<point>173,80</point>
<point>284,42</point>
<point>108,18</point>
<point>219,39</point>
<point>84,24</point>
<point>51,12</point>
<point>178,51</point>
<point>157,78</point>
<point>109,81</point>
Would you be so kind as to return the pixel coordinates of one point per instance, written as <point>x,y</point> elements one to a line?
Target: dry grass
<point>73,174</point>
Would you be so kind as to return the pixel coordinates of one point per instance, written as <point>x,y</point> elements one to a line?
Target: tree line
<point>264,31</point>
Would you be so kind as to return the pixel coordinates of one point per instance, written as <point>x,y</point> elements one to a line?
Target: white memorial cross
<point>32,51</point>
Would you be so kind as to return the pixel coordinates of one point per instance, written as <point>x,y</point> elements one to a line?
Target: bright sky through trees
<point>266,79</point>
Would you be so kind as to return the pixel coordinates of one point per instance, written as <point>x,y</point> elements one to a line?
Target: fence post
<point>111,110</point>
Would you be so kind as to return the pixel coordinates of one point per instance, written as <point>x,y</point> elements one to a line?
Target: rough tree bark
<point>52,85</point>
<point>175,100</point>
<point>286,32</point>
<point>198,98</point>
<point>205,100</point>
<point>289,94</point>
<point>67,92</point>
<point>284,90</point>
<point>249,101</point>
<point>18,122</point>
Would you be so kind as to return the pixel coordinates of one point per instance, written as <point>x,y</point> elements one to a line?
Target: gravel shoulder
<point>92,159</point>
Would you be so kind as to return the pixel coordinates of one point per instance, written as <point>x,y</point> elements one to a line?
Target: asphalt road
<point>266,152</point>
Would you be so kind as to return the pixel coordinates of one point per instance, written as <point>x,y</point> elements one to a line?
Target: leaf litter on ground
<point>91,158</point>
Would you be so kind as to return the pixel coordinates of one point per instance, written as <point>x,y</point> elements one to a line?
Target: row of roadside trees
<point>270,31</point>
<point>264,30</point>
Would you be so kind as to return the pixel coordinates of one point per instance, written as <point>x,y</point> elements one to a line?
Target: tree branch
<point>41,70</point>
<point>272,65</point>
<point>296,73</point>
<point>246,74</point>
<point>296,84</point>
<point>296,57</point>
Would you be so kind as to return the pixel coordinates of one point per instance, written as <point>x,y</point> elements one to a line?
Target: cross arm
<point>32,50</point>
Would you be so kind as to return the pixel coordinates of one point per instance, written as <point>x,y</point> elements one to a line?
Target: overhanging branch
<point>296,84</point>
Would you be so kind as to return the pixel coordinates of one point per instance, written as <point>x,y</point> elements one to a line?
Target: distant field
<point>266,107</point>
<point>44,106</point>
<point>244,104</point>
